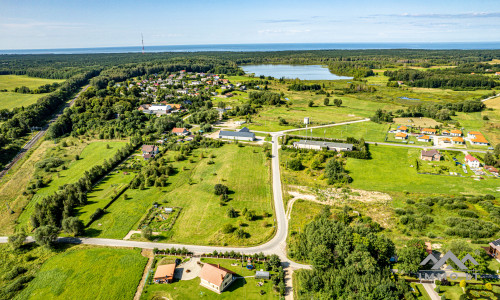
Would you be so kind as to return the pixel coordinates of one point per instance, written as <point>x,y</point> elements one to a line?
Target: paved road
<point>38,136</point>
<point>427,147</point>
<point>484,100</point>
<point>429,288</point>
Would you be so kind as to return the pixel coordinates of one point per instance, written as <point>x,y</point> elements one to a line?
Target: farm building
<point>431,155</point>
<point>424,138</point>
<point>320,145</point>
<point>401,136</point>
<point>164,274</point>
<point>215,278</point>
<point>243,134</point>
<point>472,161</point>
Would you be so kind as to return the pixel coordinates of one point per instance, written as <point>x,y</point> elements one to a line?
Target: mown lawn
<point>242,288</point>
<point>93,154</point>
<point>244,170</point>
<point>389,170</point>
<point>88,273</point>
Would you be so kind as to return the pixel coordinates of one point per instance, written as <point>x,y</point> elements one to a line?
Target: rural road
<point>38,136</point>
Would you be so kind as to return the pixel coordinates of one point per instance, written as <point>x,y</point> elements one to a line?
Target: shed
<point>262,275</point>
<point>168,209</point>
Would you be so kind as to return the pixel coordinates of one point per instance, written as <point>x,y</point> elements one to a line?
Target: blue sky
<point>43,24</point>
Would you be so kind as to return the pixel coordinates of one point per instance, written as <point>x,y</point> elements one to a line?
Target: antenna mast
<point>142,39</point>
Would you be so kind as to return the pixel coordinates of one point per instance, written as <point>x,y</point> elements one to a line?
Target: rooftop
<point>214,273</point>
<point>324,144</point>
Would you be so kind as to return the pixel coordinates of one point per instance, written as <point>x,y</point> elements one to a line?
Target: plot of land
<point>93,154</point>
<point>389,170</point>
<point>88,273</point>
<point>242,288</point>
<point>243,169</point>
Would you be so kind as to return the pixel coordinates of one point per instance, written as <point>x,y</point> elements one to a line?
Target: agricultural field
<point>192,189</point>
<point>370,131</point>
<point>84,272</point>
<point>241,288</point>
<point>90,154</point>
<point>10,99</point>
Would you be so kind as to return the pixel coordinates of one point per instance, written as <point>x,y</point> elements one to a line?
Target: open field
<point>88,273</point>
<point>242,288</point>
<point>9,100</point>
<point>202,216</point>
<point>370,131</point>
<point>93,153</point>
<point>389,170</point>
<point>9,82</point>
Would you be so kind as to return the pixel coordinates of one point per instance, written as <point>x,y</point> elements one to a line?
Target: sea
<point>262,47</point>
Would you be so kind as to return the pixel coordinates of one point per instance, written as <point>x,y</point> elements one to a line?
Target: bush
<point>147,233</point>
<point>228,228</point>
<point>220,189</point>
<point>295,164</point>
<point>232,213</point>
<point>16,271</point>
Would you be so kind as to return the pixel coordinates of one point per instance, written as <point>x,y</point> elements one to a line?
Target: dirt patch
<point>417,122</point>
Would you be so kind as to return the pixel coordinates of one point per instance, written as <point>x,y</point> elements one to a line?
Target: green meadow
<point>389,170</point>
<point>244,170</point>
<point>86,272</point>
<point>9,99</point>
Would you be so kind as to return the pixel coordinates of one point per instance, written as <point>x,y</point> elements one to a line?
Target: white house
<point>472,161</point>
<point>215,278</point>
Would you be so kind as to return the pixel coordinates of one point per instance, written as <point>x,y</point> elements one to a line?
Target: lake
<point>302,72</point>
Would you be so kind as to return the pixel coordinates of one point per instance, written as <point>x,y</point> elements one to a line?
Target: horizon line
<point>242,44</point>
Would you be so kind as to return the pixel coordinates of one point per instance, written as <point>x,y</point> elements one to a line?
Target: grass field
<point>389,170</point>
<point>10,99</point>
<point>202,217</point>
<point>242,288</point>
<point>30,257</point>
<point>92,154</point>
<point>88,273</point>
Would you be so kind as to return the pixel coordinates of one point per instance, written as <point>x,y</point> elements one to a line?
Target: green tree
<point>220,189</point>
<point>489,159</point>
<point>73,225</point>
<point>310,103</point>
<point>295,164</point>
<point>46,236</point>
<point>337,102</point>
<point>147,233</point>
<point>16,240</point>
<point>326,102</point>
<point>227,228</point>
<point>232,213</point>
<point>411,256</point>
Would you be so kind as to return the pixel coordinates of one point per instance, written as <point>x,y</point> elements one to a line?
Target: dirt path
<point>289,284</point>
<point>149,254</point>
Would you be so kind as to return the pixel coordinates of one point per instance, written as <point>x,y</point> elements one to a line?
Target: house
<point>423,138</point>
<point>445,132</point>
<point>497,73</point>
<point>479,140</point>
<point>429,131</point>
<point>402,128</point>
<point>180,131</point>
<point>262,275</point>
<point>472,161</point>
<point>456,132</point>
<point>431,155</point>
<point>401,136</point>
<point>320,145</point>
<point>144,107</point>
<point>446,140</point>
<point>149,151</point>
<point>215,278</point>
<point>458,140</point>
<point>494,249</point>
<point>164,273</point>
<point>242,135</point>
<point>473,134</point>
